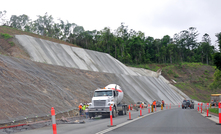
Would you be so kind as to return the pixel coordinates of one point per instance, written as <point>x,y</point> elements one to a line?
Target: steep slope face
<point>30,89</point>
<point>138,86</point>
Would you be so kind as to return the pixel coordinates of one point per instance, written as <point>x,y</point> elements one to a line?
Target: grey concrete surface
<point>138,84</point>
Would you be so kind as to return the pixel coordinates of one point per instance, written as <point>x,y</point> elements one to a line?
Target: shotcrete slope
<point>30,89</point>
<point>137,86</point>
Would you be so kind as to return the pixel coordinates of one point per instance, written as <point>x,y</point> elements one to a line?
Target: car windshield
<point>102,93</point>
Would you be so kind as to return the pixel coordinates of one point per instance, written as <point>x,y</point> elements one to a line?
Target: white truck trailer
<point>111,95</point>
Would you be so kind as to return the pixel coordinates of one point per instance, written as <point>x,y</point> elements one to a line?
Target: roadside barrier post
<point>131,107</point>
<point>170,105</point>
<point>129,114</point>
<point>166,106</point>
<point>140,110</point>
<point>178,105</point>
<point>152,108</point>
<point>111,119</point>
<point>155,107</point>
<point>207,112</point>
<point>198,107</point>
<point>53,121</point>
<point>201,107</point>
<point>161,106</point>
<point>215,104</point>
<point>219,105</point>
<point>148,108</point>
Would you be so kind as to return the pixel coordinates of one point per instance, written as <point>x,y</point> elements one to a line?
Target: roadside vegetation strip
<point>214,110</point>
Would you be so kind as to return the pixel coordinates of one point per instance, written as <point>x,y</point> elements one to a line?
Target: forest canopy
<point>127,45</point>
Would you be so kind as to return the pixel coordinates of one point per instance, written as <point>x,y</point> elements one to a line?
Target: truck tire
<point>114,114</point>
<point>125,111</point>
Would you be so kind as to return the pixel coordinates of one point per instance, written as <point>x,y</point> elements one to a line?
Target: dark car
<point>188,104</point>
<point>158,103</point>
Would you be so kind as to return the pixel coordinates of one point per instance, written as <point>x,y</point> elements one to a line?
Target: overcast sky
<point>155,18</point>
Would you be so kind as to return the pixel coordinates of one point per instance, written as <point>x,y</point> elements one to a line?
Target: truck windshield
<point>102,93</point>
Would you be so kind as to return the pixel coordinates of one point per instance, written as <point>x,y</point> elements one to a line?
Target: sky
<point>155,18</point>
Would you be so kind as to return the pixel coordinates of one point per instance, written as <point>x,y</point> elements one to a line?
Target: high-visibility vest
<point>80,107</point>
<point>84,107</point>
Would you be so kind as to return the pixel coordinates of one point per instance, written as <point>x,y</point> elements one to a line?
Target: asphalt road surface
<point>171,121</point>
<point>174,121</point>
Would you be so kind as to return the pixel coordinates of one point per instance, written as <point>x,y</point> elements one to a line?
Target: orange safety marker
<point>131,107</point>
<point>53,121</point>
<point>155,107</point>
<point>148,108</point>
<point>111,119</point>
<point>166,106</point>
<point>170,105</point>
<point>201,107</point>
<point>178,105</point>
<point>129,114</point>
<point>207,112</point>
<point>219,106</point>
<point>198,107</point>
<point>140,110</point>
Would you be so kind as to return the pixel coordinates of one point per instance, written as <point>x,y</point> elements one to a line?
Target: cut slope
<point>63,55</point>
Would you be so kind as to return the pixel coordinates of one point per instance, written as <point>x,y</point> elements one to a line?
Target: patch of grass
<point>176,75</point>
<point>193,97</point>
<point>214,110</point>
<point>5,36</point>
<point>11,43</point>
<point>170,72</point>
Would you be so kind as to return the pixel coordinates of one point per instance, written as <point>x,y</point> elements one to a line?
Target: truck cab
<point>103,99</point>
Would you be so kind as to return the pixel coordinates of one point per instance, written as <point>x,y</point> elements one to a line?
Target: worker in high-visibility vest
<point>80,109</point>
<point>154,103</point>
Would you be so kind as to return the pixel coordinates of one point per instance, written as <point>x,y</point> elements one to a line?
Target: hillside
<point>62,76</point>
<point>191,78</point>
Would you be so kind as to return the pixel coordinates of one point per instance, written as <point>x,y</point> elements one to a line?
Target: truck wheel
<point>114,112</point>
<point>125,110</point>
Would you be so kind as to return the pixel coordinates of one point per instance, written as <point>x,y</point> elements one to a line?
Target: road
<point>175,120</point>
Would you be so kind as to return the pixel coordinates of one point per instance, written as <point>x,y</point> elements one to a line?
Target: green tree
<point>2,17</point>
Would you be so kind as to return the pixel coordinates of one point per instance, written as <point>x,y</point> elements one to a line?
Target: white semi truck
<point>111,95</point>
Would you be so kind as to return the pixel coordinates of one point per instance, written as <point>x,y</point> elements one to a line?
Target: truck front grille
<point>99,102</point>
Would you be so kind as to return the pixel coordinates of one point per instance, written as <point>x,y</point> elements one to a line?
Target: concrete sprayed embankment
<point>30,89</point>
<point>135,84</point>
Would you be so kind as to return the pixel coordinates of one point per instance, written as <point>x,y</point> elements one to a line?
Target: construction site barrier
<point>148,108</point>
<point>129,114</point>
<point>170,105</point>
<point>140,110</point>
<point>198,107</point>
<point>166,106</point>
<point>207,111</point>
<point>219,106</point>
<point>131,108</point>
<point>155,107</point>
<point>111,118</point>
<point>178,105</point>
<point>201,107</point>
<point>53,121</point>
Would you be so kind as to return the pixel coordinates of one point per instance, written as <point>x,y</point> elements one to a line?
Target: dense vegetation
<point>128,46</point>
